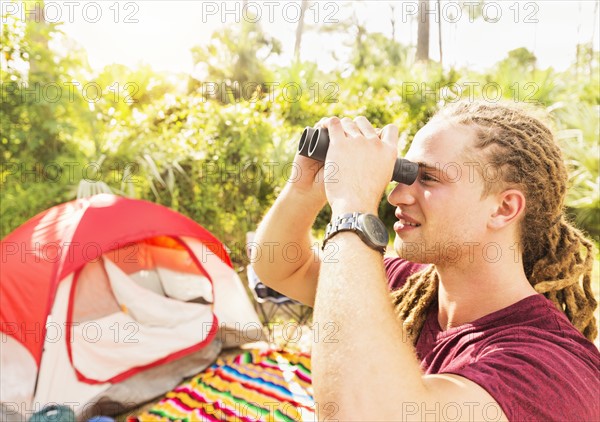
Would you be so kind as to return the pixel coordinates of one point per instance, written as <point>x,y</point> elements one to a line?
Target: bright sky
<point>161,32</point>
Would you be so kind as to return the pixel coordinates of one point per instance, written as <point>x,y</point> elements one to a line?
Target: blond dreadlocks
<point>557,257</point>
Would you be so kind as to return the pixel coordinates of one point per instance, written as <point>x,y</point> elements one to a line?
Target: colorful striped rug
<point>256,385</point>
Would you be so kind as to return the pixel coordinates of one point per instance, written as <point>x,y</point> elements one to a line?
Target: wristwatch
<point>368,227</point>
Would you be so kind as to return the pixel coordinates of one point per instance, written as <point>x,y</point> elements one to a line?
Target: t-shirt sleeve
<point>398,270</point>
<point>535,382</point>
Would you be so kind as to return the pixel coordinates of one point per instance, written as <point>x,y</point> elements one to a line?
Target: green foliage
<point>222,160</point>
<point>579,132</point>
<point>39,125</point>
<point>304,94</point>
<point>235,56</point>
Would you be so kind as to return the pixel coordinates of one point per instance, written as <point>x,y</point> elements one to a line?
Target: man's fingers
<point>350,127</point>
<point>389,135</point>
<point>365,127</point>
<point>360,126</point>
<point>321,122</point>
<point>335,128</point>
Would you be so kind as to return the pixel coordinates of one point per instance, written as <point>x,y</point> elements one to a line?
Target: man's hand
<point>359,164</point>
<point>307,176</point>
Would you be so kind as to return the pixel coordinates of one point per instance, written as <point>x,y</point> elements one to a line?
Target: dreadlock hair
<point>524,150</point>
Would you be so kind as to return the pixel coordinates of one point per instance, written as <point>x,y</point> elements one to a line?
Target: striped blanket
<point>253,386</point>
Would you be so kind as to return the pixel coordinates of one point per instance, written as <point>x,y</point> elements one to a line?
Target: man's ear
<point>510,207</point>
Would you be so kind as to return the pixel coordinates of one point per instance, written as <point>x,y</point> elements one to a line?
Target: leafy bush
<point>223,162</point>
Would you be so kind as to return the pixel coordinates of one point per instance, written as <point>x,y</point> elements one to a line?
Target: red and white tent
<point>108,296</point>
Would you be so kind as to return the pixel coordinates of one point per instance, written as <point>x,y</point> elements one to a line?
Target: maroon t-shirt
<point>528,356</point>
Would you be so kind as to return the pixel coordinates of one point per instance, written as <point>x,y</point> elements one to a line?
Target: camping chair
<point>270,302</point>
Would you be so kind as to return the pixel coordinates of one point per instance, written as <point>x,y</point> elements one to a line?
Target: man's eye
<point>427,178</point>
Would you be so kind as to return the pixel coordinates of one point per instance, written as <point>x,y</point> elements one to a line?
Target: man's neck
<point>467,293</point>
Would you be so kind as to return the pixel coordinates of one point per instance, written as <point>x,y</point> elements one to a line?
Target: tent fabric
<point>164,323</point>
<point>147,385</point>
<point>64,238</point>
<point>18,372</point>
<point>57,380</point>
<point>98,292</point>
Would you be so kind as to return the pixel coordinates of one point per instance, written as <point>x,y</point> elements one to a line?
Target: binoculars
<point>314,144</point>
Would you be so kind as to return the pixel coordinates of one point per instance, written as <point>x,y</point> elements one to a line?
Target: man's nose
<point>401,195</point>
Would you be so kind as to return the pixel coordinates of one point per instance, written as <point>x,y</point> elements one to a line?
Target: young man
<point>471,337</point>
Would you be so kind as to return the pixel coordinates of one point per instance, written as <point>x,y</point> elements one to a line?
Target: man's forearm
<point>369,360</point>
<point>283,241</point>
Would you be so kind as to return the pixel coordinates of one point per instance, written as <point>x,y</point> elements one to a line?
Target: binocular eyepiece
<point>314,144</point>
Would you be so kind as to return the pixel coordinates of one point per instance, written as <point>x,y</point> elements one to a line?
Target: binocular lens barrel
<point>314,144</point>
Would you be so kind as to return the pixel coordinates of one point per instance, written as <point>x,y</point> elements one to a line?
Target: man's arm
<point>284,256</point>
<point>369,371</point>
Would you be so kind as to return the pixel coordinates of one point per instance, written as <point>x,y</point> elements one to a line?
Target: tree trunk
<point>393,20</point>
<point>423,32</point>
<point>300,29</point>
<point>591,62</point>
<point>361,31</point>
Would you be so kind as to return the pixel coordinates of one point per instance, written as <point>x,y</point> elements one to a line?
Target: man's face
<point>444,206</point>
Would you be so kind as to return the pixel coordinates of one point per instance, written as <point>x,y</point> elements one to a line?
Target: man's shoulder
<point>534,325</point>
<point>530,350</point>
<point>531,330</point>
<point>534,377</point>
<point>535,319</point>
<point>399,269</point>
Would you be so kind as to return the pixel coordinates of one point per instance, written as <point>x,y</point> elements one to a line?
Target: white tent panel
<point>18,369</point>
<point>148,280</point>
<point>57,381</point>
<point>149,308</point>
<point>232,305</point>
<point>185,287</point>
<point>152,328</point>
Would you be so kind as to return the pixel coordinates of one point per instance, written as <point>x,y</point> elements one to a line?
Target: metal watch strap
<point>343,222</point>
<point>352,222</point>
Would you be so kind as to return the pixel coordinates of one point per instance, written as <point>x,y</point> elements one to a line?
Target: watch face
<point>375,229</point>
